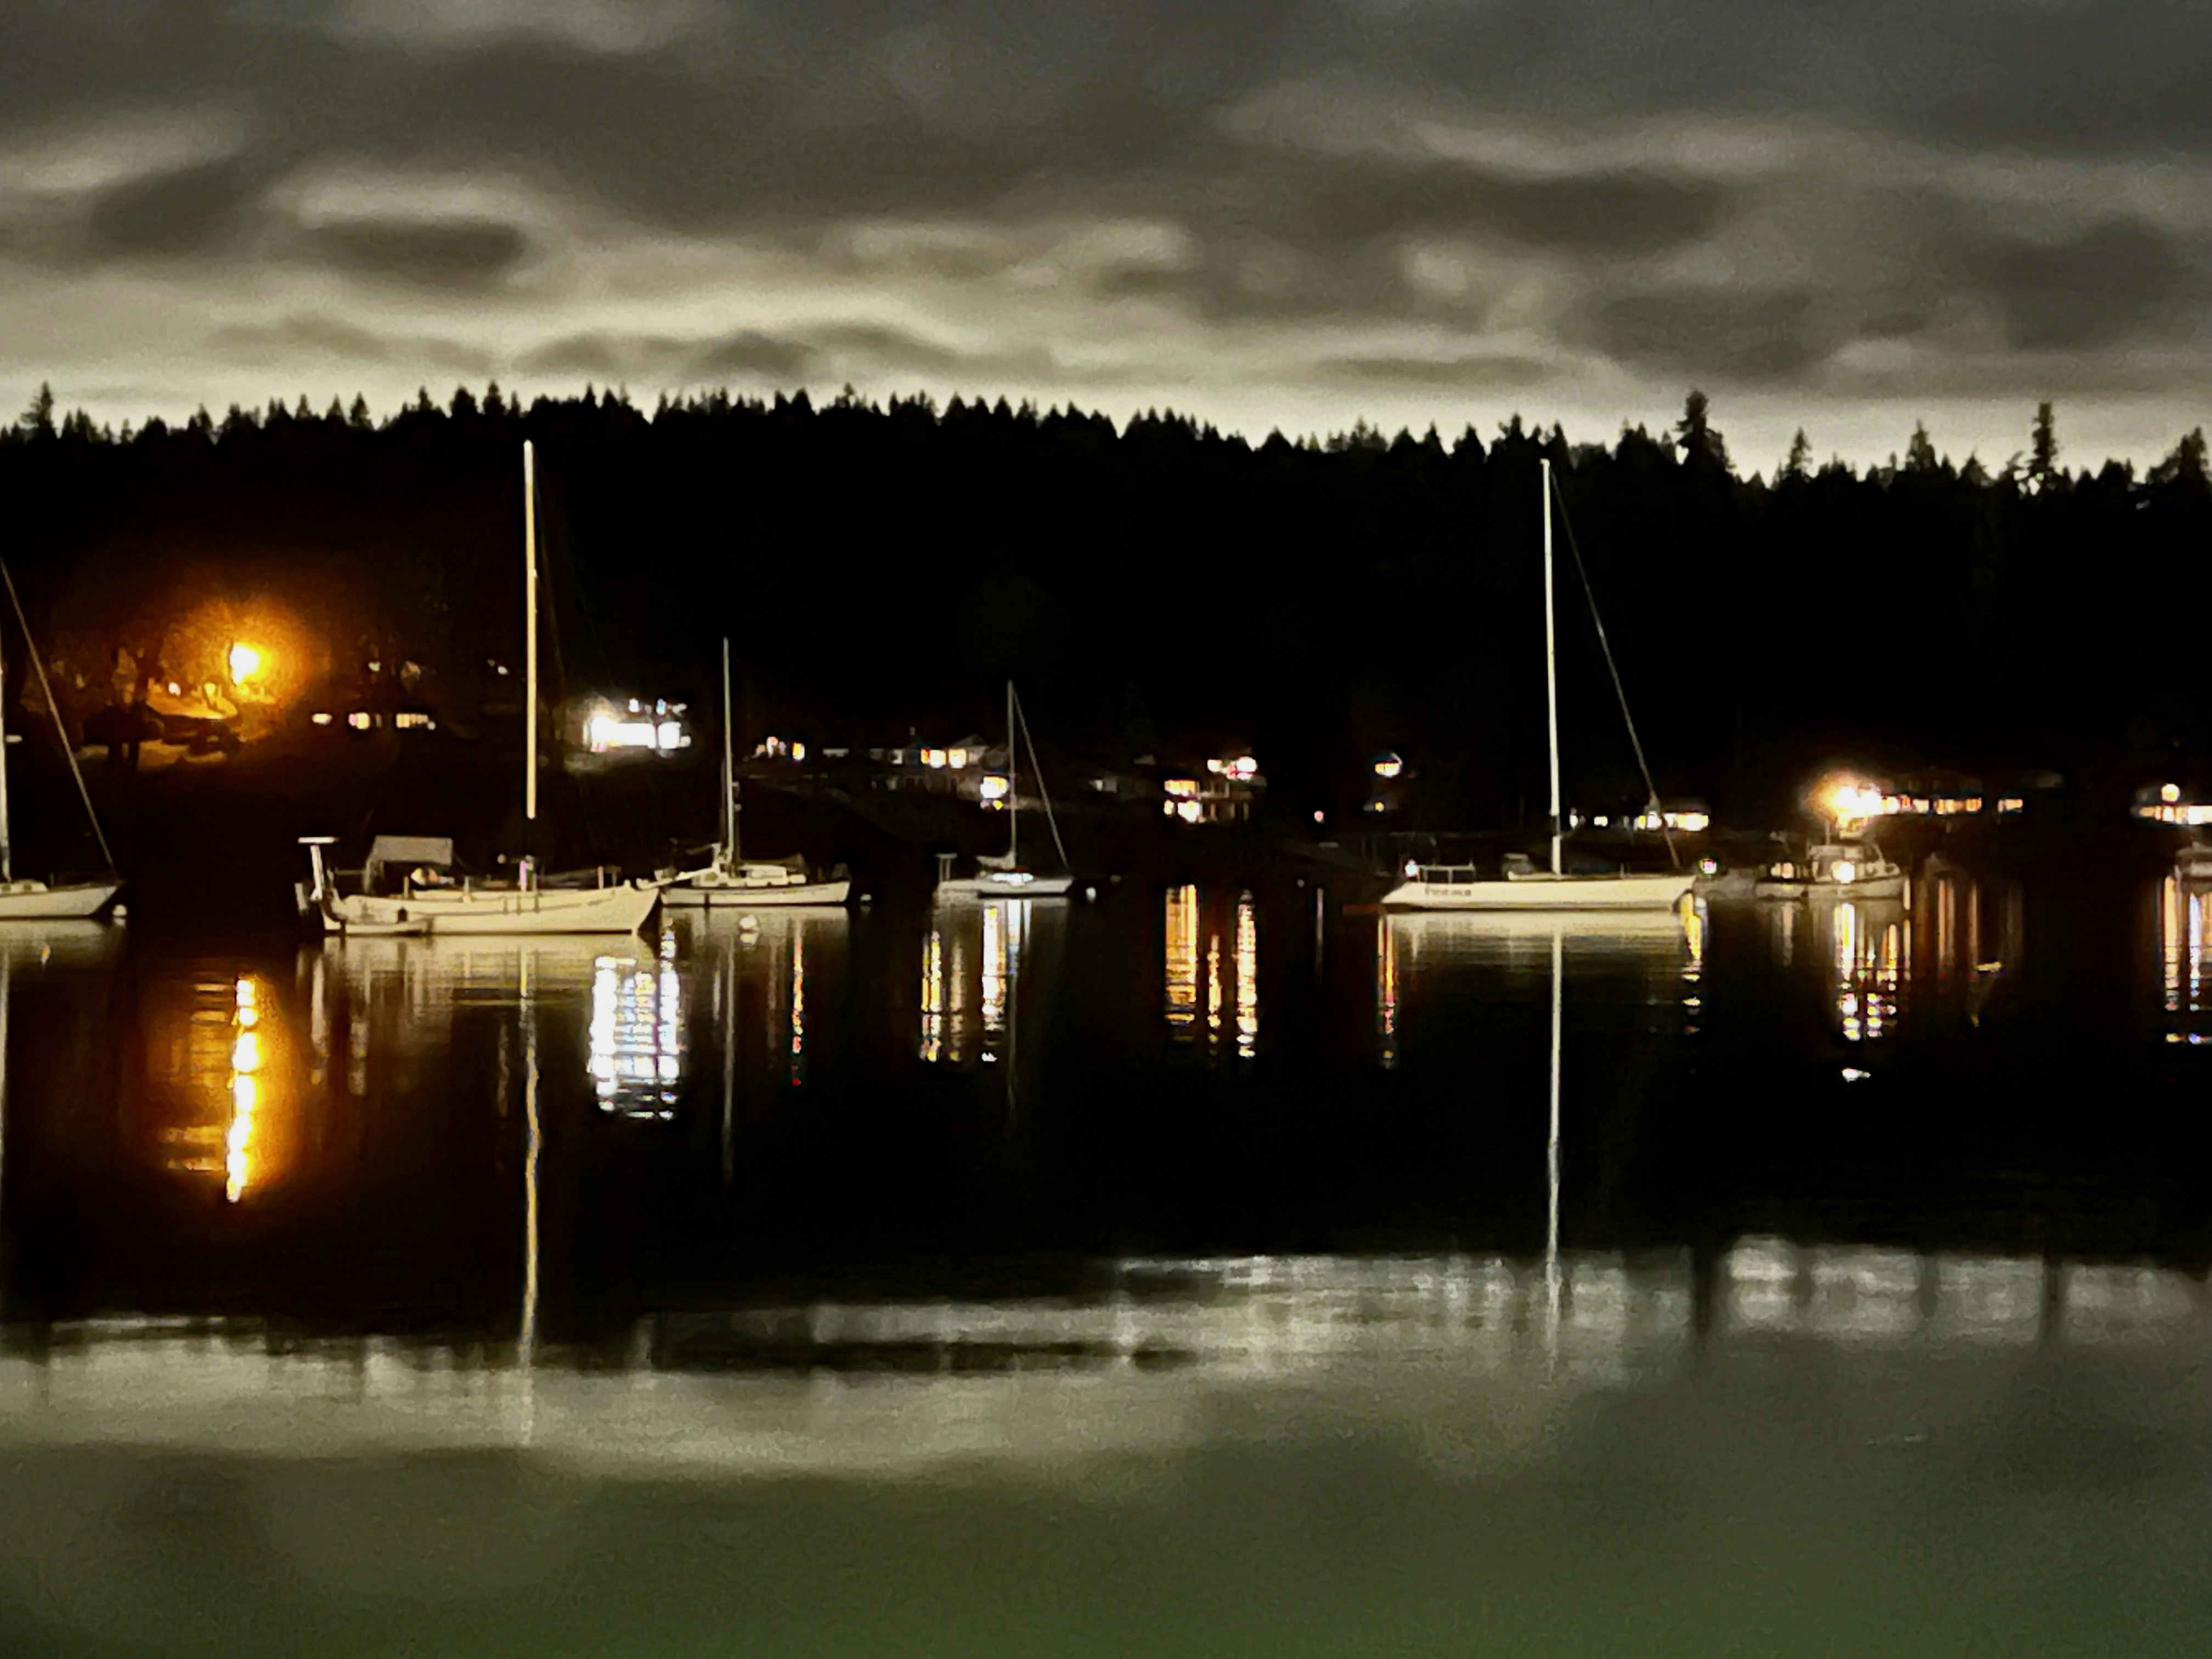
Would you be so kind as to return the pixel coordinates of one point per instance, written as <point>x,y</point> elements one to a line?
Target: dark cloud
<point>1714,331</point>
<point>202,209</point>
<point>2119,282</point>
<point>293,338</point>
<point>444,253</point>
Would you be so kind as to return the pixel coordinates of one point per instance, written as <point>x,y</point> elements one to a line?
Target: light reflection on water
<point>981,964</point>
<point>1197,971</point>
<point>2183,901</point>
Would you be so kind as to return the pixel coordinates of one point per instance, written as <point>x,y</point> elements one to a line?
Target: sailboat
<point>37,901</point>
<point>1007,876</point>
<point>729,880</point>
<point>443,909</point>
<point>1521,886</point>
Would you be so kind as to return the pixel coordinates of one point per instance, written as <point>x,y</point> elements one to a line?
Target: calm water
<point>1188,1272</point>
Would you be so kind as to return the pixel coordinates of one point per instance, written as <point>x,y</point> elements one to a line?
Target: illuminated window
<point>1182,788</point>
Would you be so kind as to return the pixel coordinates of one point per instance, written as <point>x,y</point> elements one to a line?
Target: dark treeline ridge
<point>1165,589</point>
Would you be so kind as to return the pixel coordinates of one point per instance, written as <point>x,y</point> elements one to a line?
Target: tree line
<point>1161,587</point>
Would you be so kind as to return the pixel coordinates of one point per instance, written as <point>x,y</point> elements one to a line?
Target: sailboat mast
<point>729,768</point>
<point>1550,668</point>
<point>530,635</point>
<point>1013,787</point>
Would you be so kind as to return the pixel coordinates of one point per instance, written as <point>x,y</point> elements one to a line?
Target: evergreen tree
<point>38,420</point>
<point>1798,464</point>
<point>464,402</point>
<point>1920,452</point>
<point>2186,464</point>
<point>1695,437</point>
<point>357,417</point>
<point>2043,453</point>
<point>493,402</point>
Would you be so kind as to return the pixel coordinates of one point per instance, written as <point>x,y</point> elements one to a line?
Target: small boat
<point>1831,870</point>
<point>1004,875</point>
<point>37,901</point>
<point>1520,886</point>
<point>429,901</point>
<point>729,880</point>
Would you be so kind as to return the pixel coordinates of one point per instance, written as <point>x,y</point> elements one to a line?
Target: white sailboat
<point>445,908</point>
<point>38,901</point>
<point>730,881</point>
<point>1521,886</point>
<point>1007,877</point>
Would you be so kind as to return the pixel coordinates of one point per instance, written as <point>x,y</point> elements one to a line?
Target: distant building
<point>1223,789</point>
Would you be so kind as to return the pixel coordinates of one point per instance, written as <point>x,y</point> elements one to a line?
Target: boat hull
<point>1012,884</point>
<point>735,895</point>
<point>1567,893</point>
<point>32,901</point>
<point>540,911</point>
<point>1872,889</point>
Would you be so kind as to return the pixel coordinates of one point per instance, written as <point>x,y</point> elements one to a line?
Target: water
<point>1186,1271</point>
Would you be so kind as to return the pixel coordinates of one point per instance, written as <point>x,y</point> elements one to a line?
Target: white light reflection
<point>933,997</point>
<point>1386,989</point>
<point>636,1041</point>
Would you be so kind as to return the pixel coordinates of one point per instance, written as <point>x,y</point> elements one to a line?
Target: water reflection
<point>2183,900</point>
<point>1198,972</point>
<point>637,1059</point>
<point>1945,947</point>
<point>223,1082</point>
<point>978,963</point>
<point>1427,961</point>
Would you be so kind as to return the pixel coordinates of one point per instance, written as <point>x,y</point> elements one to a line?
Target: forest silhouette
<point>1167,589</point>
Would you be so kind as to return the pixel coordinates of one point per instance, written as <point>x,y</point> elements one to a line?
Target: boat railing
<point>1447,875</point>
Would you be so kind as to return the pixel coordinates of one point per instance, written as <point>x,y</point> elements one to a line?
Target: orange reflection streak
<point>221,1083</point>
<point>1386,988</point>
<point>1213,986</point>
<point>798,1005</point>
<point>995,980</point>
<point>1182,956</point>
<point>1247,979</point>
<point>933,997</point>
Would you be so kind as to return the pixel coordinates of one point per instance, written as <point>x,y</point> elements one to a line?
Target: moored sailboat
<point>1521,885</point>
<point>527,907</point>
<point>1005,876</point>
<point>38,901</point>
<point>729,880</point>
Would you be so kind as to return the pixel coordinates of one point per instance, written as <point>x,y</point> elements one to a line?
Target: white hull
<point>1005,884</point>
<point>1870,890</point>
<point>542,910</point>
<point>1542,892</point>
<point>738,895</point>
<point>33,900</point>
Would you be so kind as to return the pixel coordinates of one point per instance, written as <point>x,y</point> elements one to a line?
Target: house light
<point>1389,767</point>
<point>246,662</point>
<point>1689,823</point>
<point>798,751</point>
<point>2169,792</point>
<point>1187,810</point>
<point>933,758</point>
<point>1182,788</point>
<point>320,719</point>
<point>956,759</point>
<point>993,788</point>
<point>1847,872</point>
<point>361,720</point>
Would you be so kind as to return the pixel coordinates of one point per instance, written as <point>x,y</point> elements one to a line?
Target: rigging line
<point>1037,766</point>
<point>55,709</point>
<point>1589,595</point>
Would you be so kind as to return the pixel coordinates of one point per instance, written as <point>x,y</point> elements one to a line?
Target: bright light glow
<point>1214,766</point>
<point>956,759</point>
<point>361,720</point>
<point>2169,792</point>
<point>668,735</point>
<point>320,718</point>
<point>1243,769</point>
<point>2009,804</point>
<point>1413,867</point>
<point>934,758</point>
<point>798,751</point>
<point>1709,866</point>
<point>993,788</point>
<point>1689,823</point>
<point>1847,799</point>
<point>1188,811</point>
<point>244,663</point>
<point>413,720</point>
<point>1182,788</point>
<point>1389,767</point>
<point>1847,872</point>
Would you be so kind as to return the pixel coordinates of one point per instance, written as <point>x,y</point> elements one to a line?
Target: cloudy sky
<point>1268,212</point>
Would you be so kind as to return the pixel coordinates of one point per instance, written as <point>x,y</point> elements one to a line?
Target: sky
<point>1285,214</point>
